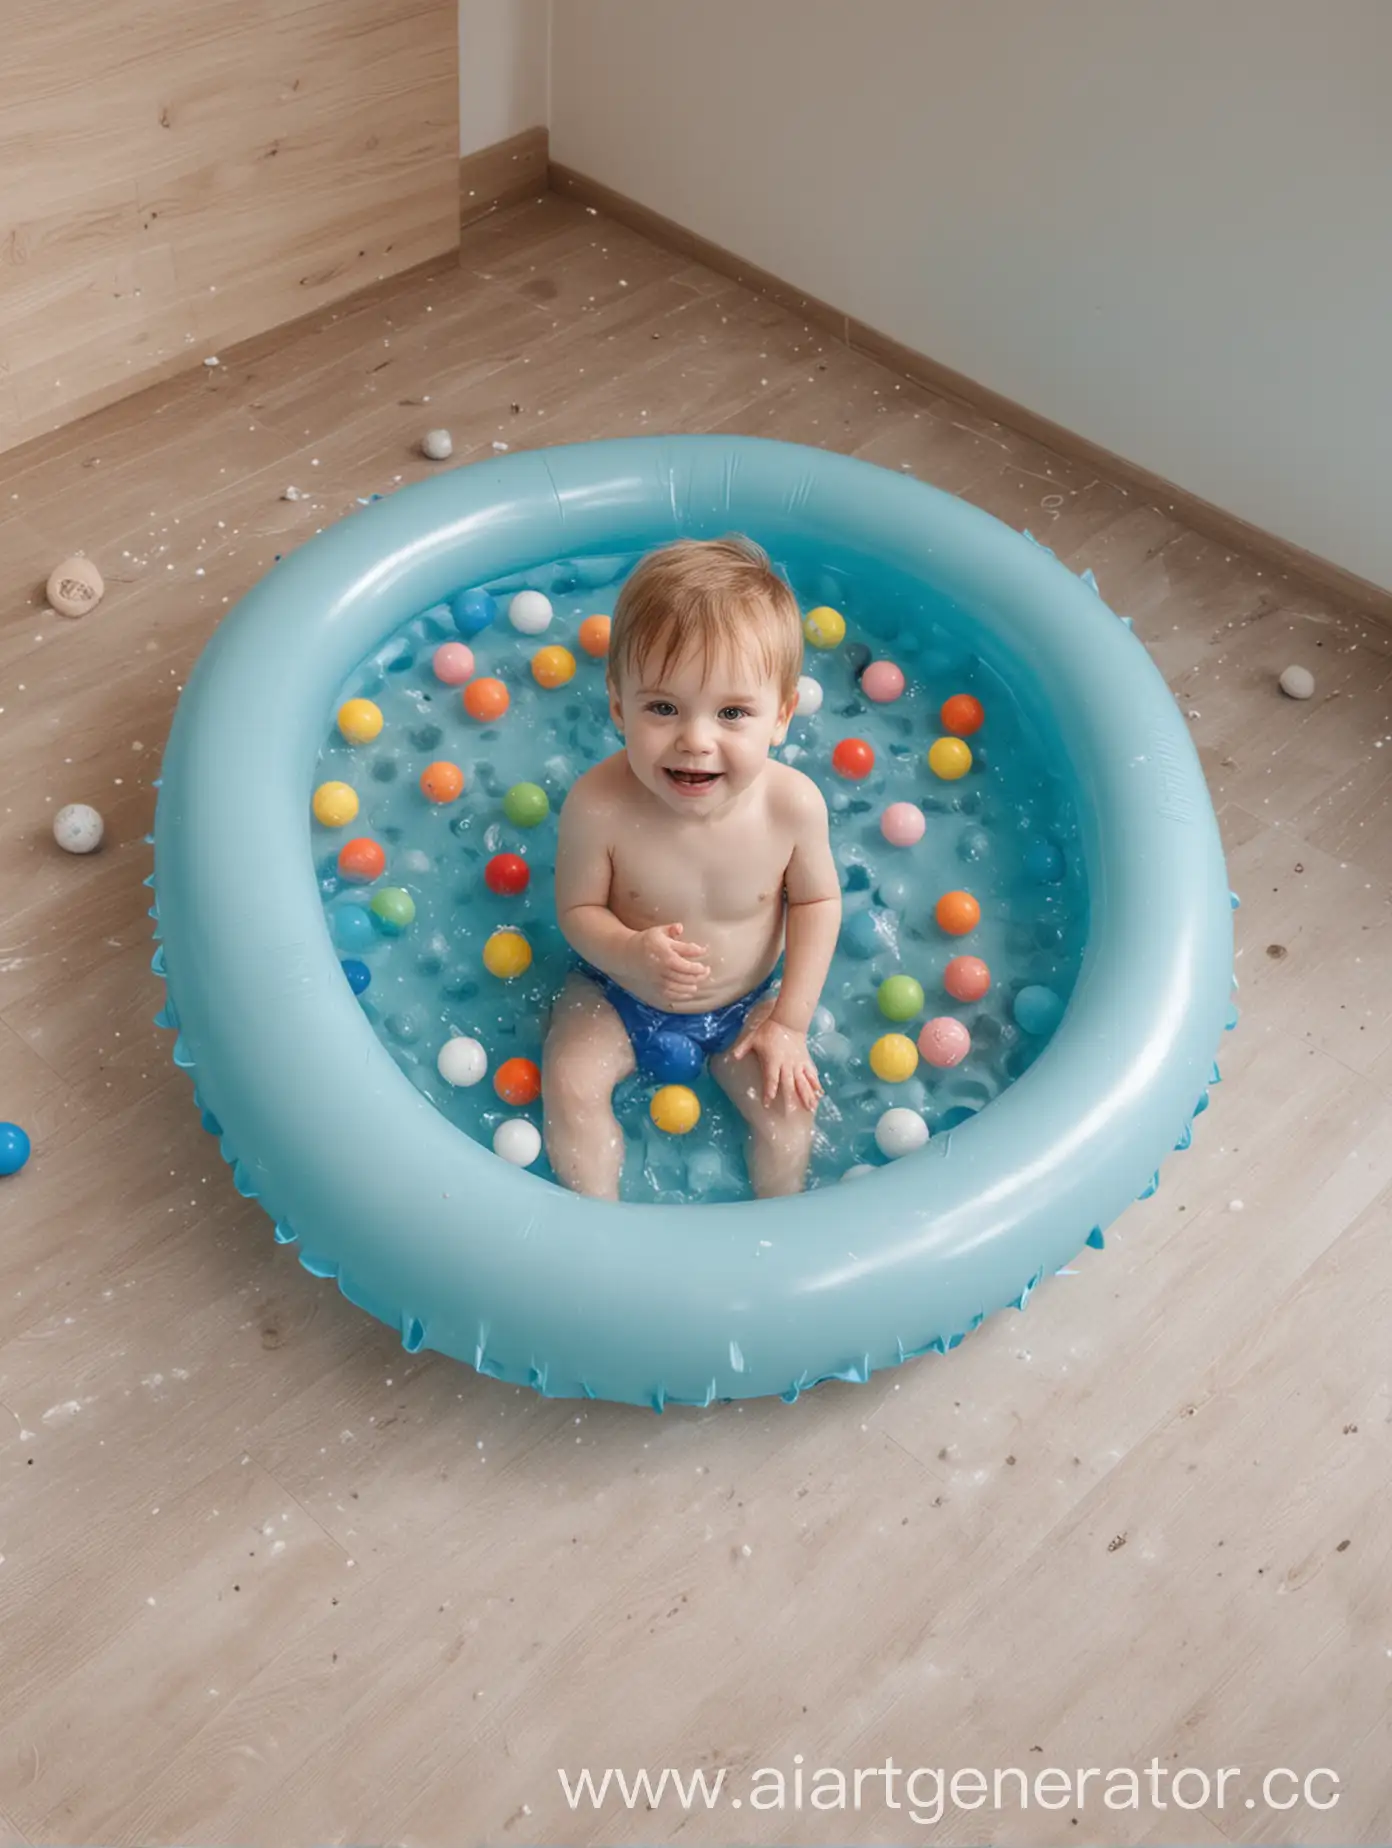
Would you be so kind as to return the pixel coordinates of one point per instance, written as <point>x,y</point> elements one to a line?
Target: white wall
<point>1165,224</point>
<point>503,59</point>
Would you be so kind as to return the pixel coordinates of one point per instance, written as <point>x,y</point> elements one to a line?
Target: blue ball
<point>353,927</point>
<point>863,935</point>
<point>1044,862</point>
<point>1038,1011</point>
<point>14,1148</point>
<point>358,973</point>
<point>472,610</point>
<point>672,1058</point>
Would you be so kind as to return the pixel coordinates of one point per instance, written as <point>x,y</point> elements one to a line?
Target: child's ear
<point>615,709</point>
<point>785,719</point>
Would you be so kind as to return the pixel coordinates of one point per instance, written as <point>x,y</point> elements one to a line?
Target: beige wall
<point>503,57</point>
<point>1166,224</point>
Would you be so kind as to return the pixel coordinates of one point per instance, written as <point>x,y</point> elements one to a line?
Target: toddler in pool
<point>686,864</point>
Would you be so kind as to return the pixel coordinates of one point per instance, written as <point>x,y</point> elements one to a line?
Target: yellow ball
<point>824,627</point>
<point>506,954</point>
<point>553,666</point>
<point>675,1109</point>
<point>335,805</point>
<point>894,1057</point>
<point>950,758</point>
<point>359,720</point>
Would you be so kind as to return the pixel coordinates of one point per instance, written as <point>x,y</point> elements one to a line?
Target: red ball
<point>853,758</point>
<point>507,874</point>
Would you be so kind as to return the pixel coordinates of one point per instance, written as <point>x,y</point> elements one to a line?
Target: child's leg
<point>780,1138</point>
<point>587,1052</point>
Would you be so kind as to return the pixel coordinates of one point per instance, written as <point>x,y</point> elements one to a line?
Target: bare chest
<point>660,875</point>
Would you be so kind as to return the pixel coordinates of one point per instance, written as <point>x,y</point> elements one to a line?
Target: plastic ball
<point>507,954</point>
<point>517,1141</point>
<point>461,1062</point>
<point>824,627</point>
<point>902,824</point>
<point>900,997</point>
<point>673,1057</point>
<point>517,1082</point>
<point>507,874</point>
<point>809,696</point>
<point>957,913</point>
<point>675,1109</point>
<point>360,721</point>
<point>900,1132</point>
<point>14,1148</point>
<point>553,666</point>
<point>437,445</point>
<point>353,928</point>
<point>394,909</point>
<point>854,1172</point>
<point>361,860</point>
<point>75,586</point>
<point>966,978</point>
<point>949,758</point>
<point>335,805</point>
<point>1044,862</point>
<point>442,782</point>
<point>526,805</point>
<point>894,1057</point>
<point>853,758</point>
<point>486,698</point>
<point>962,715</point>
<point>472,611</point>
<point>1297,682</point>
<point>453,663</point>
<point>1037,1010</point>
<point>358,973</point>
<point>78,828</point>
<point>530,613</point>
<point>594,636</point>
<point>864,934</point>
<point>882,681</point>
<point>944,1041</point>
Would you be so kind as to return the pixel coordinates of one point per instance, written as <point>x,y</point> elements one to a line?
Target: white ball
<point>462,1062</point>
<point>517,1141</point>
<point>438,445</point>
<point>900,1131</point>
<point>78,829</point>
<point>861,1167</point>
<point>809,695</point>
<point>530,612</point>
<point>1297,683</point>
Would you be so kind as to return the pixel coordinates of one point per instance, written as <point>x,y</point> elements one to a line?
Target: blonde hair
<point>718,597</point>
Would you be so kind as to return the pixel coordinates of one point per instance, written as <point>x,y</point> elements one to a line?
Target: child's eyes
<point>662,708</point>
<point>734,712</point>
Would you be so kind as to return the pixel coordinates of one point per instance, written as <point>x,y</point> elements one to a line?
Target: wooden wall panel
<point>176,175</point>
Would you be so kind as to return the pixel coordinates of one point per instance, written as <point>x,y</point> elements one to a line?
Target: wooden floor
<point>268,1579</point>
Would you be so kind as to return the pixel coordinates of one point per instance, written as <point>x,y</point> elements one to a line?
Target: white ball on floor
<point>75,586</point>
<point>78,829</point>
<point>861,1167</point>
<point>517,1141</point>
<point>530,612</point>
<point>809,695</point>
<point>461,1062</point>
<point>1297,683</point>
<point>438,445</point>
<point>899,1132</point>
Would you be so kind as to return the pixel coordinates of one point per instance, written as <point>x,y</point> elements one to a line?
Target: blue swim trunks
<point>672,1048</point>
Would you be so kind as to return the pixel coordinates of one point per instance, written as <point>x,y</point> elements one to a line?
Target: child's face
<point>699,742</point>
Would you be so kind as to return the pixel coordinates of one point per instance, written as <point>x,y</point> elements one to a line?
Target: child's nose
<point>695,735</point>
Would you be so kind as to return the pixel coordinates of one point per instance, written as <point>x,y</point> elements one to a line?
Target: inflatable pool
<point>324,1092</point>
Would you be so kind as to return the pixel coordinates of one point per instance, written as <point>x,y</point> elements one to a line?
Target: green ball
<point>525,805</point>
<point>900,997</point>
<point>394,909</point>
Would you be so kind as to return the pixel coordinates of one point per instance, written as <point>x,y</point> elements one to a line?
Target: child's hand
<point>788,1068</point>
<point>664,962</point>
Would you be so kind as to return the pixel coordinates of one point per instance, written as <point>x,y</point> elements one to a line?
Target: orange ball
<point>594,635</point>
<point>517,1081</point>
<point>486,698</point>
<point>962,715</point>
<point>957,913</point>
<point>361,860</point>
<point>442,782</point>
<point>553,666</point>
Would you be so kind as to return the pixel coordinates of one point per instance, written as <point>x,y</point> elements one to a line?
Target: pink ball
<point>944,1041</point>
<point>902,824</point>
<point>966,978</point>
<point>882,681</point>
<point>453,663</point>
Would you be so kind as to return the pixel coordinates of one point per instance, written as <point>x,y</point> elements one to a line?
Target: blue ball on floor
<point>473,611</point>
<point>14,1148</point>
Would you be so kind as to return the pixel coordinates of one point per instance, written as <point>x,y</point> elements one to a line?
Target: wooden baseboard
<point>1321,575</point>
<point>503,174</point>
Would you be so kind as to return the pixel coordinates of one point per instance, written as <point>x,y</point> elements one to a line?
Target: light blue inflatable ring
<point>659,1304</point>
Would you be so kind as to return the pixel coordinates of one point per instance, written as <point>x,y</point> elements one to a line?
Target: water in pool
<point>1004,832</point>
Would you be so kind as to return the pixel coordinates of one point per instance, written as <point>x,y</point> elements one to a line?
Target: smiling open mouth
<point>693,779</point>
